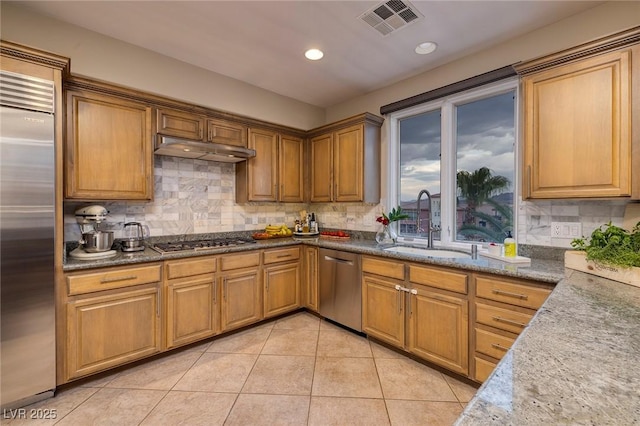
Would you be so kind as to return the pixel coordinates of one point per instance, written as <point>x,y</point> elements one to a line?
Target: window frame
<point>448,151</point>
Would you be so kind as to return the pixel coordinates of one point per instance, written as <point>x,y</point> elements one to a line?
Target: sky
<point>485,137</point>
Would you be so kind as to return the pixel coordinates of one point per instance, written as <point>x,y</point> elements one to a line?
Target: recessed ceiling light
<point>426,47</point>
<point>314,54</point>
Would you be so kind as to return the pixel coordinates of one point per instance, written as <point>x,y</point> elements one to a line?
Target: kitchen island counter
<point>576,362</point>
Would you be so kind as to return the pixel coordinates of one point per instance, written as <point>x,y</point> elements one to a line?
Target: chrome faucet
<point>429,228</point>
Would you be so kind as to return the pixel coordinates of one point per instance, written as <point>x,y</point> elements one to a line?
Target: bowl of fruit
<point>273,231</point>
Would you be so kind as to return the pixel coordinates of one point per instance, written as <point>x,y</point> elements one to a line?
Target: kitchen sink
<point>425,252</point>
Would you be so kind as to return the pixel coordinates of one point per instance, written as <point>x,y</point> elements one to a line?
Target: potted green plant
<point>611,252</point>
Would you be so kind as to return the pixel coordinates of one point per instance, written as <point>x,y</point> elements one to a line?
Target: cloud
<point>485,137</point>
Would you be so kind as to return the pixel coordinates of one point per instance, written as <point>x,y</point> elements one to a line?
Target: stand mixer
<point>95,243</point>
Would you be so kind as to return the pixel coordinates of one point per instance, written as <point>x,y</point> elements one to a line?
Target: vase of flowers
<point>388,235</point>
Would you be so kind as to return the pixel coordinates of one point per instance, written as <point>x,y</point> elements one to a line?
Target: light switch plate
<point>566,229</point>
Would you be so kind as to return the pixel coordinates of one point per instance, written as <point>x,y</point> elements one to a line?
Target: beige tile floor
<point>298,370</point>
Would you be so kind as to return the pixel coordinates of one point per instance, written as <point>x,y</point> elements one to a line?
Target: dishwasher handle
<point>336,259</point>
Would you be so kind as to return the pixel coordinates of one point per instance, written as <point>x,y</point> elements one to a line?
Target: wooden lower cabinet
<point>192,310</point>
<point>383,311</point>
<point>439,328</point>
<point>310,282</point>
<point>281,288</point>
<point>281,280</point>
<point>428,322</point>
<point>502,309</point>
<point>241,302</point>
<point>107,330</point>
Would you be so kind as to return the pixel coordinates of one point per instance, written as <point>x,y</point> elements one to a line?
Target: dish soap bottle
<point>509,246</point>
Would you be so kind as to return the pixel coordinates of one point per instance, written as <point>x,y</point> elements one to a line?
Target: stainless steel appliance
<point>27,219</point>
<point>340,292</point>
<point>197,245</point>
<point>187,148</point>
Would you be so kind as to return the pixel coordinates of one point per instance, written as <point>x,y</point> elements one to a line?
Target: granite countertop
<point>578,361</point>
<point>550,271</point>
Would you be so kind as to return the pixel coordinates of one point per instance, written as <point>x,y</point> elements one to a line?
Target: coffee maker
<point>94,243</point>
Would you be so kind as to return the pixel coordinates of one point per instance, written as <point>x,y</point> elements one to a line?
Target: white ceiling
<point>263,42</point>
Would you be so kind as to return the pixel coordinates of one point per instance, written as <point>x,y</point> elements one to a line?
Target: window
<point>461,149</point>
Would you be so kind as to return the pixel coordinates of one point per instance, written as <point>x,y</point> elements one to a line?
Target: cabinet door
<point>383,311</point>
<point>347,164</point>
<point>191,310</point>
<point>222,131</point>
<point>311,278</point>
<point>321,168</point>
<point>179,124</point>
<point>281,288</point>
<point>578,129</point>
<point>241,299</point>
<point>439,329</point>
<point>109,153</point>
<point>106,331</point>
<point>290,159</point>
<point>263,168</point>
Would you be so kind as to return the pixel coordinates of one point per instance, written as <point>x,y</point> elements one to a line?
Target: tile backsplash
<point>194,196</point>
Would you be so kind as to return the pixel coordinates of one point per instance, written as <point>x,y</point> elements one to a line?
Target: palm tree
<point>477,187</point>
<point>497,225</point>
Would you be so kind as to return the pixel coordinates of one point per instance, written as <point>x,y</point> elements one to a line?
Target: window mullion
<point>447,171</point>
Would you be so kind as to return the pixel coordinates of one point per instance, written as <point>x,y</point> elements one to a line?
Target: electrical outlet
<point>566,230</point>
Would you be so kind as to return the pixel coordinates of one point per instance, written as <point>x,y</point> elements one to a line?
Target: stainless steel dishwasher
<point>341,288</point>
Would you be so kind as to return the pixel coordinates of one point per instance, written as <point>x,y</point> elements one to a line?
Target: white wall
<point>609,18</point>
<point>104,58</point>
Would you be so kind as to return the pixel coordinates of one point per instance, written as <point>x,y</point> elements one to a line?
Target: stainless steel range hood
<point>187,148</point>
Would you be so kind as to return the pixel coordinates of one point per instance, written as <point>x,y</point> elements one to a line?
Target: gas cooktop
<point>177,246</point>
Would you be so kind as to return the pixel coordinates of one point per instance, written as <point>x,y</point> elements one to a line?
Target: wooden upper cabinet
<point>348,156</point>
<point>578,117</point>
<point>227,132</point>
<point>192,126</point>
<point>109,150</point>
<point>345,161</point>
<point>180,124</point>
<point>321,148</point>
<point>275,173</point>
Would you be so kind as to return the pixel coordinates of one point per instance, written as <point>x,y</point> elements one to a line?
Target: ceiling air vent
<point>391,16</point>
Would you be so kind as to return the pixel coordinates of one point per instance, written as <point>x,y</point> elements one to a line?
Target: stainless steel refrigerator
<point>27,217</point>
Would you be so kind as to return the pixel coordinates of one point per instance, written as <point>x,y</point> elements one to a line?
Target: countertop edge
<point>548,271</point>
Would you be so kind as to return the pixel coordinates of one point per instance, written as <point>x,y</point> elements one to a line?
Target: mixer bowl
<point>97,241</point>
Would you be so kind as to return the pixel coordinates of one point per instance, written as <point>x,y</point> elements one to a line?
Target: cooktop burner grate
<point>176,246</point>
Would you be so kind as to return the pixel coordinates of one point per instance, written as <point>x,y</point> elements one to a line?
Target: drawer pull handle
<point>509,294</point>
<point>498,346</point>
<point>115,280</point>
<point>283,255</point>
<point>508,321</point>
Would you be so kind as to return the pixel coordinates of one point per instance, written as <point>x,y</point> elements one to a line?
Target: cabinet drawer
<point>386,268</point>
<point>438,278</point>
<point>512,293</point>
<point>492,344</point>
<point>504,319</point>
<point>240,260</point>
<point>109,279</point>
<point>483,369</point>
<point>187,268</point>
<point>281,255</point>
